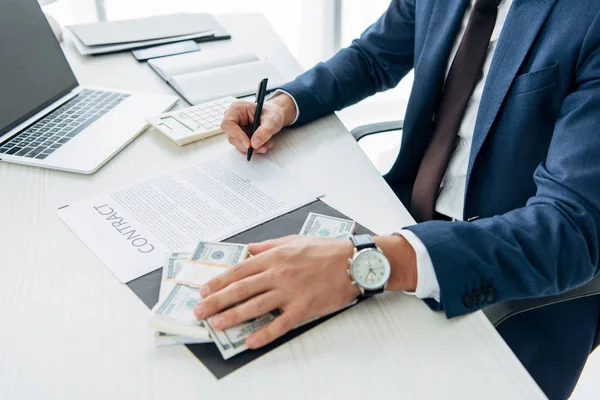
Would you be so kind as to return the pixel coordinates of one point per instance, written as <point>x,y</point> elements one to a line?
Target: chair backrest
<point>499,312</point>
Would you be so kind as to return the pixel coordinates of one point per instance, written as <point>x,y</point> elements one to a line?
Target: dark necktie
<point>460,83</point>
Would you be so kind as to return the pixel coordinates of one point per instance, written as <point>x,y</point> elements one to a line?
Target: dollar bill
<point>166,286</point>
<point>170,326</point>
<point>166,339</point>
<point>171,267</point>
<point>232,341</point>
<point>326,226</point>
<point>173,263</point>
<point>196,275</point>
<point>174,314</point>
<point>226,254</point>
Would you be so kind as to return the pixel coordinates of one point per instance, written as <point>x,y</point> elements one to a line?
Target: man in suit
<point>499,164</point>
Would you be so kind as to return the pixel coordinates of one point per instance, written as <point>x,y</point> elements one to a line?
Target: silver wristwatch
<point>369,268</point>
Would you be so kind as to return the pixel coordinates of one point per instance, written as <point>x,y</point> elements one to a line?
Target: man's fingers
<point>236,143</point>
<point>233,131</point>
<point>240,271</point>
<point>279,327</point>
<point>235,119</point>
<point>264,133</point>
<point>253,308</point>
<point>257,248</point>
<point>235,293</point>
<point>264,148</point>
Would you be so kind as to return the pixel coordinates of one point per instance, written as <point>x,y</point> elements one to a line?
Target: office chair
<point>373,129</point>
<point>498,312</point>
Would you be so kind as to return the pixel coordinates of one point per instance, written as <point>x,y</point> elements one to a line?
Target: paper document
<point>142,29</point>
<point>130,229</point>
<point>113,48</point>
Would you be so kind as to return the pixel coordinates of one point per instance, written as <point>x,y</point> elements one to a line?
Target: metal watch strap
<point>362,242</point>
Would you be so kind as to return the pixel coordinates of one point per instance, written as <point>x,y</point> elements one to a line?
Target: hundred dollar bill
<point>196,275</point>
<point>226,254</point>
<point>326,226</point>
<point>232,341</point>
<point>166,339</point>
<point>172,266</point>
<point>174,314</point>
<point>166,286</point>
<point>173,263</point>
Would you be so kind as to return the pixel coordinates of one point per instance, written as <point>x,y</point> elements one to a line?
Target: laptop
<point>46,118</point>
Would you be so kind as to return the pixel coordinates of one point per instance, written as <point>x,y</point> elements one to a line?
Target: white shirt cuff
<point>427,283</point>
<point>293,99</point>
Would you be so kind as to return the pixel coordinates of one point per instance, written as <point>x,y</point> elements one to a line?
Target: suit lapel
<point>525,19</point>
<point>443,27</point>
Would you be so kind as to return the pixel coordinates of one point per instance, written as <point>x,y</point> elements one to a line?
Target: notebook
<point>142,29</point>
<point>115,36</point>
<point>207,75</point>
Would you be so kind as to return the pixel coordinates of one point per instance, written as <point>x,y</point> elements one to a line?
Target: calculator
<point>194,123</point>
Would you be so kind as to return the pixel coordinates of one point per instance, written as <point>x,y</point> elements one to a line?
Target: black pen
<point>260,100</point>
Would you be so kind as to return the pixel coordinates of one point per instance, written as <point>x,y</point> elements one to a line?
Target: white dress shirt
<point>450,201</point>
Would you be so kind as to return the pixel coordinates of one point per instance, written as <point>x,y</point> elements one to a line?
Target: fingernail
<point>247,145</point>
<point>262,151</point>
<point>256,143</point>
<point>217,322</point>
<point>204,291</point>
<point>251,341</point>
<point>199,310</point>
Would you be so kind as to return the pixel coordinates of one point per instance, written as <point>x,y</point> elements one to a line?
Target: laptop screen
<point>33,70</point>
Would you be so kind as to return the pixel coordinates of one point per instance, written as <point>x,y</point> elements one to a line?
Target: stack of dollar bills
<point>173,319</point>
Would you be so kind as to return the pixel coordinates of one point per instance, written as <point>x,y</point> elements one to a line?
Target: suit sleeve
<point>377,61</point>
<point>552,244</point>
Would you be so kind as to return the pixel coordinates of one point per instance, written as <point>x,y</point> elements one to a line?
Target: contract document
<point>131,228</point>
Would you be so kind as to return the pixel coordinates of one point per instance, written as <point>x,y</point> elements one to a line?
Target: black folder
<point>147,287</point>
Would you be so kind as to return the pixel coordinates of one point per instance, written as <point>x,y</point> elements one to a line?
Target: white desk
<point>70,330</point>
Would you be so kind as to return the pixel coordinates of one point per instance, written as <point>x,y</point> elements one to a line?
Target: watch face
<point>371,269</point>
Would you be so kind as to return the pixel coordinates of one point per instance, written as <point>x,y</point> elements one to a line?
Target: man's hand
<point>277,113</point>
<point>304,277</point>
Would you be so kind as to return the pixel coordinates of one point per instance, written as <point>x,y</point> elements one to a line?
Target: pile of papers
<point>173,319</point>
<point>113,36</point>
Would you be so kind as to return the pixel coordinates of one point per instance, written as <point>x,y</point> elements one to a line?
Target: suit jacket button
<point>490,295</point>
<point>469,300</point>
<point>480,297</point>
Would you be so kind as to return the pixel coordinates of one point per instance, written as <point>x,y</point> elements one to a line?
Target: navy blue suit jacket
<point>534,170</point>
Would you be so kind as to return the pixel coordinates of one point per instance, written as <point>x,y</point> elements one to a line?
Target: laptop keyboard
<point>61,125</point>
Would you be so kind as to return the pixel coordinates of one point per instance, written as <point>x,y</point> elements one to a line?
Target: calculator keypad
<point>207,116</point>
<point>194,123</point>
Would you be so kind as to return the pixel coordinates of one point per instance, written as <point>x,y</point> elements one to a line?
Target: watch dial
<point>371,269</point>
